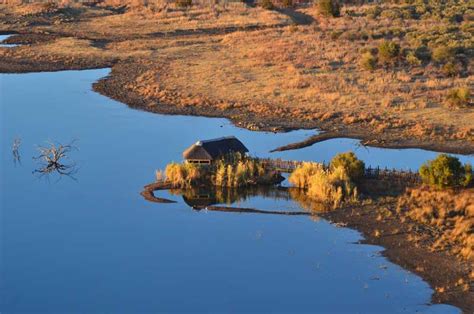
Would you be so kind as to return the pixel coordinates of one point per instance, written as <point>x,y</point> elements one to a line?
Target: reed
<point>232,171</point>
<point>329,186</point>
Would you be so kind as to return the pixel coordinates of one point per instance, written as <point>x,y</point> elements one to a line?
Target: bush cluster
<point>267,4</point>
<point>388,51</point>
<point>446,172</point>
<point>459,97</point>
<point>331,186</point>
<point>184,3</point>
<point>354,167</point>
<point>329,8</point>
<point>328,186</point>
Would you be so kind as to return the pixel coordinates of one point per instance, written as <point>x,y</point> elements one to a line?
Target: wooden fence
<point>289,166</point>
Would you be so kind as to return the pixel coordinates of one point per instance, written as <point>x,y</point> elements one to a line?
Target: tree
<point>354,167</point>
<point>388,51</point>
<point>446,171</point>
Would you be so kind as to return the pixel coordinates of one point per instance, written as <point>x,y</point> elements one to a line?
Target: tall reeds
<point>182,175</point>
<point>239,171</point>
<point>231,171</point>
<point>330,186</point>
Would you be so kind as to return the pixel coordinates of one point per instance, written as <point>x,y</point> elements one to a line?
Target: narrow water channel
<point>92,243</point>
<point>2,38</point>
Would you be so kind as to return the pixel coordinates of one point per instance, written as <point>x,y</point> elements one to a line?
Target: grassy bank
<point>395,75</point>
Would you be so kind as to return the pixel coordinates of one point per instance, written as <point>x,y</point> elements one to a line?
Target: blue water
<point>93,244</point>
<point>2,38</point>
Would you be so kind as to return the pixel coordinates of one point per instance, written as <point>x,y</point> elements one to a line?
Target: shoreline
<point>439,269</point>
<point>115,86</point>
<point>396,247</point>
<point>121,85</point>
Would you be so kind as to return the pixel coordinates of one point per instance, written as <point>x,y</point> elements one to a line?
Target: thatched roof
<point>212,149</point>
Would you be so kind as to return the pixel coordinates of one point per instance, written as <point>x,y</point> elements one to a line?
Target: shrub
<point>231,171</point>
<point>443,54</point>
<point>267,4</point>
<point>332,187</point>
<point>423,53</point>
<point>449,212</point>
<point>328,186</point>
<point>287,3</point>
<point>374,12</point>
<point>459,97</point>
<point>445,171</point>
<point>392,14</point>
<point>300,176</point>
<point>451,69</point>
<point>182,175</point>
<point>184,3</point>
<point>368,61</point>
<point>388,51</point>
<point>412,59</point>
<point>329,8</point>
<point>354,167</point>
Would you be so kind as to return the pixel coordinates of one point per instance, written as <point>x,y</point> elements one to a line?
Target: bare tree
<point>16,150</point>
<point>52,159</point>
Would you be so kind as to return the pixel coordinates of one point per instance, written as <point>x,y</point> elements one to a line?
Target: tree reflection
<point>16,150</point>
<point>53,159</point>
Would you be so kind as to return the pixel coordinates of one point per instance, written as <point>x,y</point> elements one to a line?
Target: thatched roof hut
<point>207,151</point>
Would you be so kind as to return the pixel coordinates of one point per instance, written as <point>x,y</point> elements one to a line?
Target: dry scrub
<point>382,73</point>
<point>448,214</point>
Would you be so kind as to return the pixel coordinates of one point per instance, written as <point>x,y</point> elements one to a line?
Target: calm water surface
<point>93,243</point>
<point>2,38</point>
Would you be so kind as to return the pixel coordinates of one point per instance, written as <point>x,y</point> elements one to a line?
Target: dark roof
<point>212,149</point>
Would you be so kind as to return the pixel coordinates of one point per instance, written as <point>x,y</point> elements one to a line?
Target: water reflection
<point>208,198</point>
<point>16,151</point>
<point>52,160</point>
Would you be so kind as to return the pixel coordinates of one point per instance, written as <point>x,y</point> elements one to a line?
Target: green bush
<point>354,167</point>
<point>368,61</point>
<point>267,4</point>
<point>184,3</point>
<point>392,14</point>
<point>374,12</point>
<point>443,54</point>
<point>388,51</point>
<point>329,8</point>
<point>412,59</point>
<point>459,97</point>
<point>446,172</point>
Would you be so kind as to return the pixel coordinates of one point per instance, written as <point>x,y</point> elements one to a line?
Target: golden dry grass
<point>450,213</point>
<point>295,72</point>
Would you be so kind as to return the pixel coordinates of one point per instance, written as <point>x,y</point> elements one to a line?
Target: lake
<point>91,243</point>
